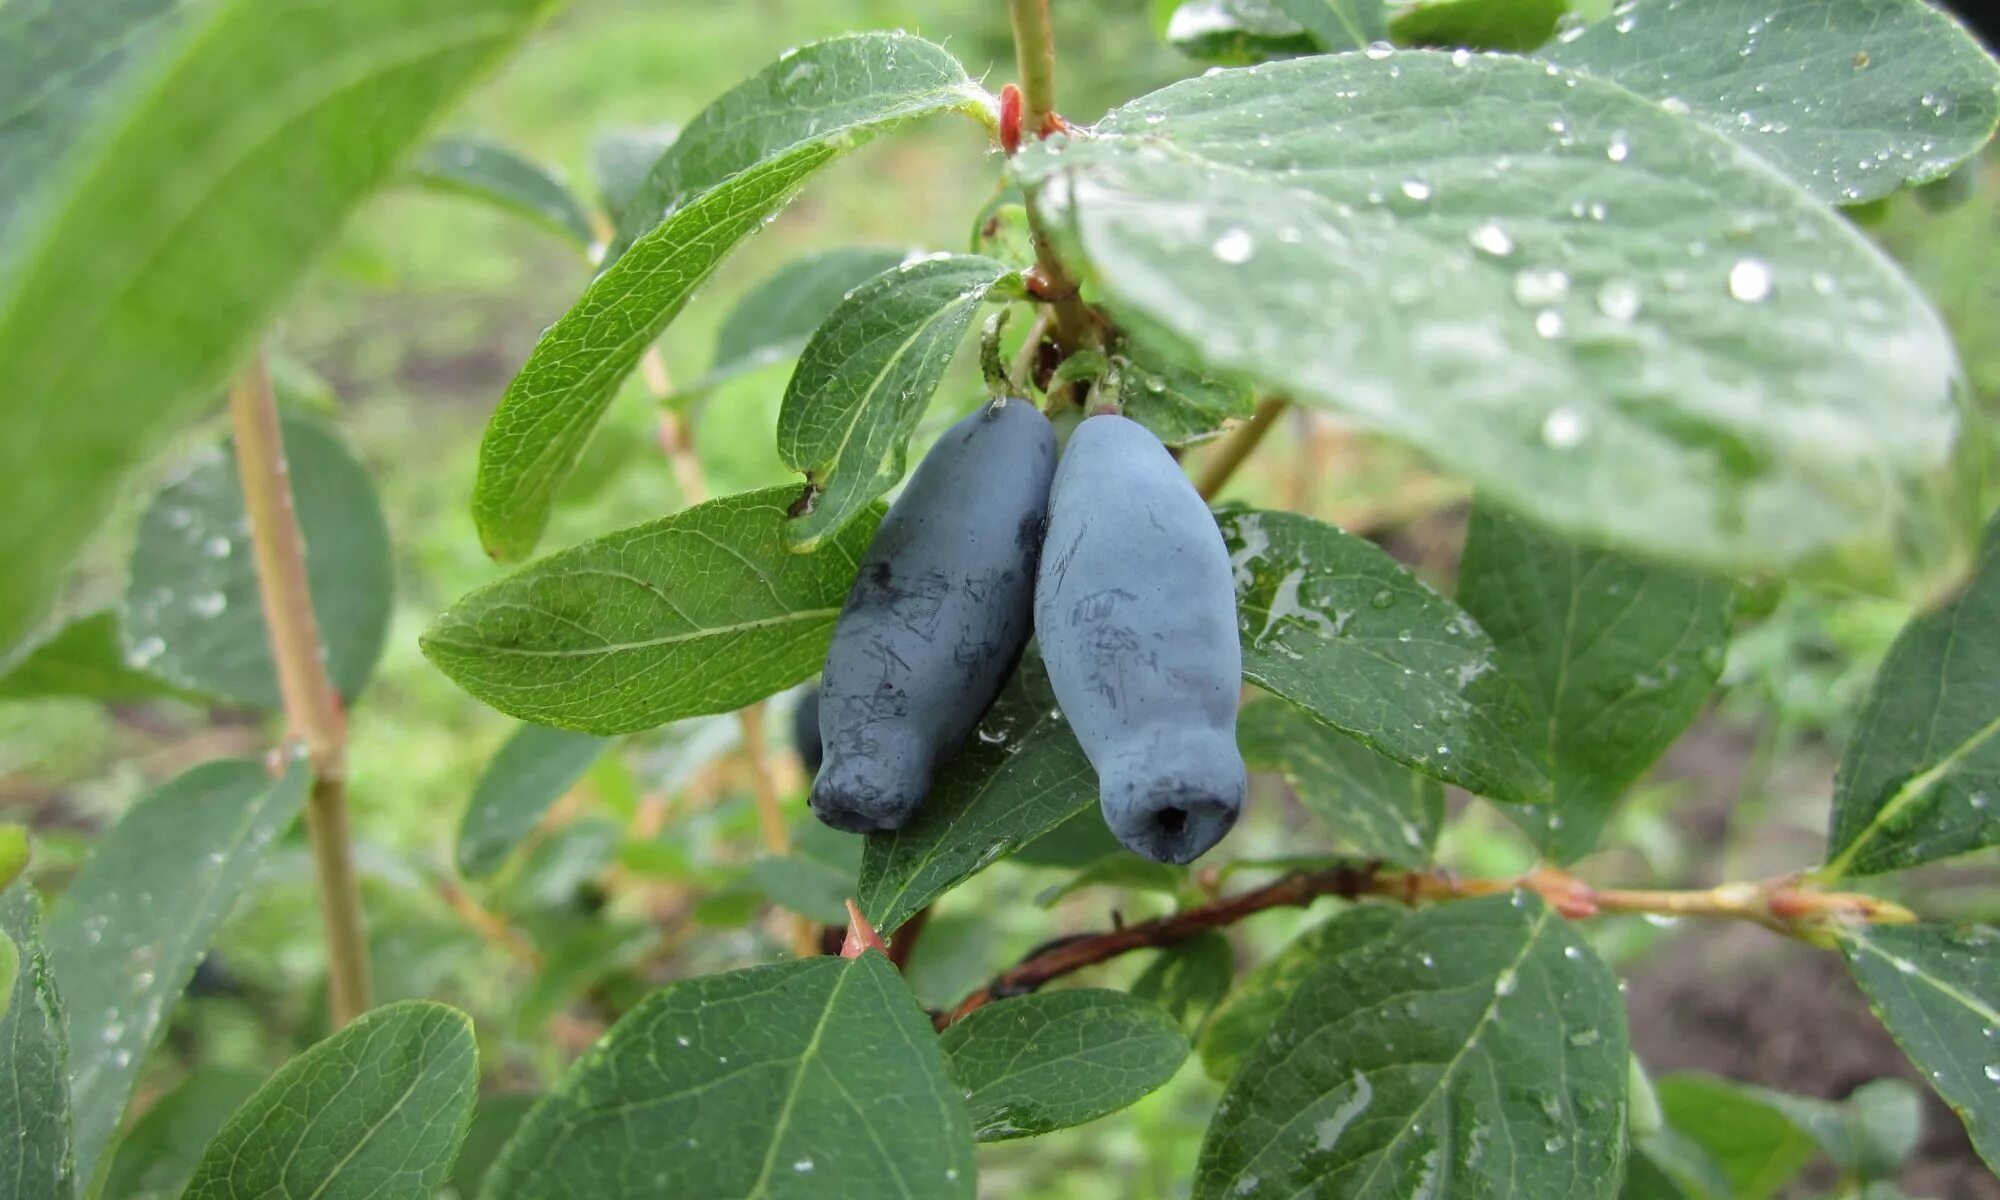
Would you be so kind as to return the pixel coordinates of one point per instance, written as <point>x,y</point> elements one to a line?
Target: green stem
<point>312,706</point>
<point>1035,60</point>
<point>1239,445</point>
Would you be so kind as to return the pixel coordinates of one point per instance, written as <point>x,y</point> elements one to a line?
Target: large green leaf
<point>1370,802</point>
<point>192,612</point>
<point>1477,1050</point>
<point>182,221</point>
<point>1921,776</point>
<point>1612,318</point>
<point>773,320</point>
<point>865,378</point>
<point>158,1154</point>
<point>36,1149</point>
<point>128,932</point>
<point>700,612</point>
<point>1850,98</point>
<point>490,172</point>
<point>1757,1146</point>
<point>1938,990</point>
<point>1245,1016</point>
<point>1048,1061</point>
<point>374,1112</point>
<point>1616,654</point>
<point>1333,624</point>
<point>531,772</point>
<point>816,1078</point>
<point>734,165</point>
<point>86,658</point>
<point>1019,776</point>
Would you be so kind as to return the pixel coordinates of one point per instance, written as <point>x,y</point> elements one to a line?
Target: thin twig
<point>313,709</point>
<point>1035,61</point>
<point>1784,905</point>
<point>1239,445</point>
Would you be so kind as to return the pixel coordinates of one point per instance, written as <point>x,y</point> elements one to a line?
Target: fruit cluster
<point>1110,560</point>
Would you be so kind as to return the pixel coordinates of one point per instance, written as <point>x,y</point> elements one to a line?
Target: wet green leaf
<point>493,174</point>
<point>865,378</point>
<point>83,658</point>
<point>1033,1064</point>
<point>1181,404</point>
<point>374,1112</point>
<point>700,612</point>
<point>1333,624</point>
<point>1616,655</point>
<point>1370,802</point>
<point>126,935</point>
<point>816,1078</point>
<point>1852,99</point>
<point>1245,1016</point>
<point>1613,319</point>
<point>1189,978</point>
<point>533,770</point>
<point>34,1103</point>
<point>192,613</point>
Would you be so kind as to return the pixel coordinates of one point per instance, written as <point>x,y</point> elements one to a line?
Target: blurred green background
<point>418,320</point>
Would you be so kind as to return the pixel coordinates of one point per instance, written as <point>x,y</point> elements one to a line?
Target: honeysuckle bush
<point>1608,270</point>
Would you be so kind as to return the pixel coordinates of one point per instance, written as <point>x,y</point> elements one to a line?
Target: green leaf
<point>620,160</point>
<point>374,1112</point>
<point>1938,990</point>
<point>1870,1135</point>
<point>1034,1064</point>
<point>581,956</point>
<point>1019,776</point>
<point>1339,24</point>
<point>1478,24</point>
<point>1333,624</point>
<point>1120,869</point>
<point>1655,1172</point>
<point>533,770</point>
<point>773,320</point>
<point>1476,1050</point>
<point>13,853</point>
<point>1189,978</point>
<point>128,932</point>
<point>1236,31</point>
<point>1370,802</point>
<point>1616,655</point>
<point>10,969</point>
<point>158,1154</point>
<point>1920,779</point>
<point>179,224</point>
<point>1757,1146</point>
<point>192,613</point>
<point>1245,1016</point>
<point>805,886</point>
<point>734,165</point>
<point>83,658</point>
<point>700,612</point>
<point>490,172</point>
<point>493,1126</point>
<point>1852,99</point>
<point>814,1078</point>
<point>865,378</point>
<point>1078,842</point>
<point>1613,319</point>
<point>1181,404</point>
<point>36,1152</point>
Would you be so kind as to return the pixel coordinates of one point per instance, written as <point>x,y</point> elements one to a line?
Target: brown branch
<point>1035,61</point>
<point>1784,905</point>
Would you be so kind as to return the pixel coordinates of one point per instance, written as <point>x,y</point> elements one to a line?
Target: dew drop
<point>1491,239</point>
<point>1619,299</point>
<point>1416,189</point>
<point>1993,1072</point>
<point>209,604</point>
<point>1676,105</point>
<point>1619,149</point>
<point>1549,323</point>
<point>1234,246</point>
<point>1750,280</point>
<point>1379,50</point>
<point>1563,428</point>
<point>1537,286</point>
<point>216,547</point>
<point>1383,599</point>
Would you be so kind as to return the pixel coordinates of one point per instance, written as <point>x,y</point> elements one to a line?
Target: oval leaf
<point>772,322</point>
<point>1244,1018</point>
<point>865,379</point>
<point>492,173</point>
<point>1370,802</point>
<point>1478,1050</point>
<point>374,1112</point>
<point>815,1078</point>
<point>1034,1064</point>
<point>160,253</point>
<point>735,164</point>
<point>532,771</point>
<point>1921,778</point>
<point>1614,319</point>
<point>1189,978</point>
<point>1938,991</point>
<point>622,158</point>
<point>34,1101</point>
<point>84,658</point>
<point>1756,1146</point>
<point>158,1154</point>
<point>192,612</point>
<point>1333,624</point>
<point>1019,776</point>
<point>1852,99</point>
<point>700,612</point>
<point>1616,655</point>
<point>128,932</point>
